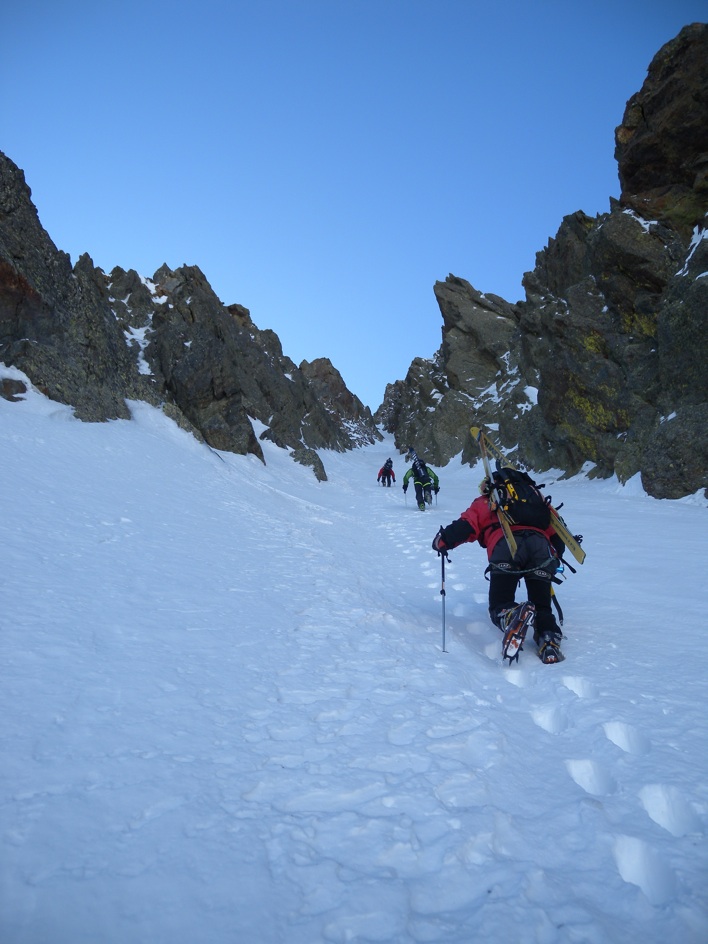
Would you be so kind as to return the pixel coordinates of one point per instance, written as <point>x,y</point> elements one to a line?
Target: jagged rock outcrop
<point>662,143</point>
<point>55,321</point>
<point>434,406</point>
<point>329,387</point>
<point>603,365</point>
<point>93,341</point>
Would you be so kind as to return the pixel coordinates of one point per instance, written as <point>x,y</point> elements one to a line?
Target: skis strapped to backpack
<point>521,499</point>
<point>497,496</point>
<point>488,447</point>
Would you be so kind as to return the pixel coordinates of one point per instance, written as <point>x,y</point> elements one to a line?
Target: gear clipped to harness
<point>521,499</point>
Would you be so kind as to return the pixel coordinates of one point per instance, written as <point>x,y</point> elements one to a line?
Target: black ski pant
<point>420,486</point>
<point>386,480</point>
<point>536,562</point>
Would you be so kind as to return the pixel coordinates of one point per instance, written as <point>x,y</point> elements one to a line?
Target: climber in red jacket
<point>386,473</point>
<point>537,559</point>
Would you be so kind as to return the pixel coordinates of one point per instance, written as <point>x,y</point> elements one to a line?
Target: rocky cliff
<point>93,341</point>
<point>602,367</point>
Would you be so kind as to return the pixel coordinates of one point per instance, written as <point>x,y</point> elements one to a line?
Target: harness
<point>537,571</point>
<point>533,572</point>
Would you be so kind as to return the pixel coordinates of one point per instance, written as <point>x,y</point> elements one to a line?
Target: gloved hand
<point>439,544</point>
<point>405,489</point>
<point>436,489</point>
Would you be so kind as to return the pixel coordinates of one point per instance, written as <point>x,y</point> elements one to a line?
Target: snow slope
<point>226,715</point>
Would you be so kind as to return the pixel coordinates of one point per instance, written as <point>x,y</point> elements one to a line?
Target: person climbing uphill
<point>537,560</point>
<point>425,480</point>
<point>386,473</point>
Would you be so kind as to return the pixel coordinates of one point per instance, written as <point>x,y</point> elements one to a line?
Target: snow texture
<point>227,717</point>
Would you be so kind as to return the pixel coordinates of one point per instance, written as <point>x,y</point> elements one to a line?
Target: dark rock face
<point>55,323</point>
<point>598,377</point>
<point>12,390</point>
<point>439,399</point>
<point>603,365</point>
<point>329,387</point>
<point>93,341</point>
<point>662,143</point>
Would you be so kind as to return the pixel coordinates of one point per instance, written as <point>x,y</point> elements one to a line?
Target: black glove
<point>436,489</point>
<point>439,544</point>
<point>454,534</point>
<point>405,489</point>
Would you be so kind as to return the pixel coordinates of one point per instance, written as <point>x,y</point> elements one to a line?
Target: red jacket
<point>486,528</point>
<point>383,471</point>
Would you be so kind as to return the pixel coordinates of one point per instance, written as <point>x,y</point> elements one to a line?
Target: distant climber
<point>425,480</point>
<point>386,473</point>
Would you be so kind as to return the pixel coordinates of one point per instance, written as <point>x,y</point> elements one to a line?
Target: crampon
<point>549,650</point>
<point>515,625</point>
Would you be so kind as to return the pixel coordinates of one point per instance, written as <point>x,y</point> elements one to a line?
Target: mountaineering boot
<point>421,505</point>
<point>549,650</point>
<point>515,624</point>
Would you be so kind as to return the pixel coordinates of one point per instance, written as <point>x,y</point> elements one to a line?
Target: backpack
<point>522,501</point>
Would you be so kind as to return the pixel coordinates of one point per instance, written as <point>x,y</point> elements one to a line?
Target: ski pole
<point>442,594</point>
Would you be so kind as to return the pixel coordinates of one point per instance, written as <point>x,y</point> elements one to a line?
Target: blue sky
<point>325,162</point>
